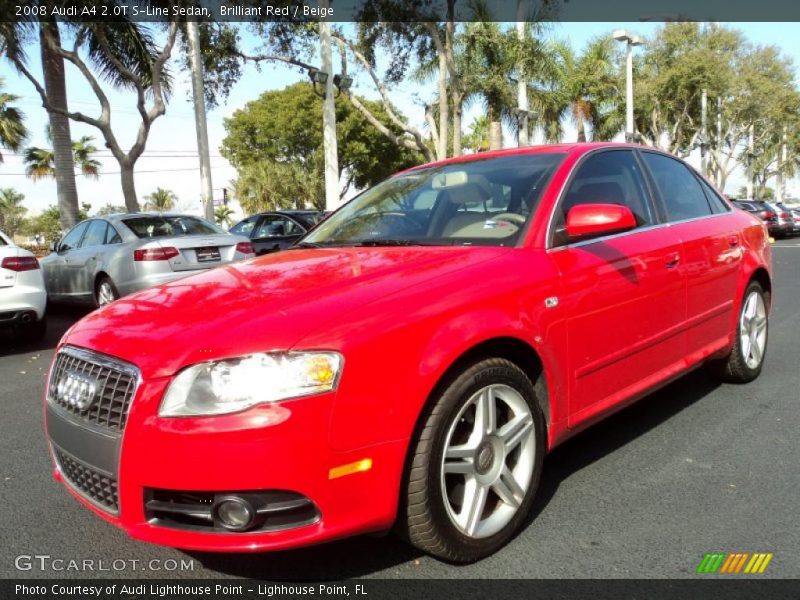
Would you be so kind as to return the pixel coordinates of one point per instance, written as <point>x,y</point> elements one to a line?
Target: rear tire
<point>746,359</point>
<point>105,292</point>
<point>475,467</point>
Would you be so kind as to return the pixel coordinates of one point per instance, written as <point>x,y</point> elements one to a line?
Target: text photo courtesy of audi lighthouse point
<point>383,298</point>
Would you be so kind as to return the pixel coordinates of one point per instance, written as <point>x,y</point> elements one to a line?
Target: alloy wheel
<point>488,460</point>
<point>105,293</point>
<point>753,329</point>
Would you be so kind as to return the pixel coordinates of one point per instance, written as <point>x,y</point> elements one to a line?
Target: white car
<point>23,299</point>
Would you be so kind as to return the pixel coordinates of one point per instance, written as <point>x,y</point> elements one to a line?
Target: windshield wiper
<point>391,243</point>
<point>305,245</point>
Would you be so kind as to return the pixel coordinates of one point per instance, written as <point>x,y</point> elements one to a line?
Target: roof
<point>580,148</point>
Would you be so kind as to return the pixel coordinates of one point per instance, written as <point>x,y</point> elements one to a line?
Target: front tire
<point>475,467</point>
<point>745,361</point>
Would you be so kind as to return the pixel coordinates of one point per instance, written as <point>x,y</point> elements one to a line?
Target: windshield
<point>485,202</point>
<point>166,226</point>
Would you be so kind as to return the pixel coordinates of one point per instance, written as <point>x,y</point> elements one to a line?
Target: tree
<point>122,53</point>
<point>678,63</point>
<point>492,59</point>
<point>12,213</point>
<point>477,140</point>
<point>265,186</point>
<point>12,127</point>
<point>283,126</point>
<point>222,215</point>
<point>40,162</point>
<point>110,209</point>
<point>160,200</point>
<point>48,222</point>
<point>586,91</point>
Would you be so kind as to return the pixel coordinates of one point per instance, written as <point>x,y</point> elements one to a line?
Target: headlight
<point>226,386</point>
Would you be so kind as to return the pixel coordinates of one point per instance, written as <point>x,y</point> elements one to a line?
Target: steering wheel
<point>513,218</point>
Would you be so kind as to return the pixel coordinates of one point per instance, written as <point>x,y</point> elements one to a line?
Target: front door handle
<point>672,260</point>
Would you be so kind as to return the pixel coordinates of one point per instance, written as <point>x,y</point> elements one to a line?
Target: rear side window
<point>96,235</point>
<point>112,236</point>
<point>717,204</point>
<point>680,190</point>
<point>166,226</point>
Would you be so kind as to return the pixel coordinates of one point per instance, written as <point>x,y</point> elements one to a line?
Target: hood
<point>267,303</point>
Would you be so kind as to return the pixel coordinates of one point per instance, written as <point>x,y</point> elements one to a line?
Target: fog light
<point>234,513</point>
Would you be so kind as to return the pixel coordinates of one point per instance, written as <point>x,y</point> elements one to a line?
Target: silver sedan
<point>101,259</point>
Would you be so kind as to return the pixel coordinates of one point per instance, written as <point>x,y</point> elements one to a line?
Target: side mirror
<point>592,220</point>
<point>53,246</point>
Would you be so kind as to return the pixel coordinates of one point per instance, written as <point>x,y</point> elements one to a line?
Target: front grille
<point>115,387</point>
<point>92,484</point>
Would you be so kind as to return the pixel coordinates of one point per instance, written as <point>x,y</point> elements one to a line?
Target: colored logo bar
<point>733,563</point>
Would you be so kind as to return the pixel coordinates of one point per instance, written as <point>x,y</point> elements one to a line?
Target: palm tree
<point>489,61</point>
<point>12,128</point>
<point>127,44</point>
<point>40,162</point>
<point>477,139</point>
<point>222,215</point>
<point>160,200</point>
<point>82,151</point>
<point>11,210</point>
<point>587,92</point>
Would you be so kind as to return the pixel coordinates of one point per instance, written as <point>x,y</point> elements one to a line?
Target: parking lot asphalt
<point>696,467</point>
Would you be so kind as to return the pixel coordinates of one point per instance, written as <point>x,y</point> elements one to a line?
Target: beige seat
<point>464,223</point>
<point>461,221</point>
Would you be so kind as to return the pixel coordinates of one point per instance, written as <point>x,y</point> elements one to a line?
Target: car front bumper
<point>267,448</point>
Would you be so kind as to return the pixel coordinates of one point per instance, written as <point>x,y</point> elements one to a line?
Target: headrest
<point>469,193</point>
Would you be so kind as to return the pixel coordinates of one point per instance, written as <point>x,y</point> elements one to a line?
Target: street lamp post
<point>329,118</point>
<point>630,41</point>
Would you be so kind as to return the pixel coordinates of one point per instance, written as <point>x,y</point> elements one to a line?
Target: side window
<point>717,204</point>
<point>245,227</point>
<point>276,226</point>
<point>73,238</point>
<point>611,177</point>
<point>680,190</point>
<point>95,235</point>
<point>112,235</point>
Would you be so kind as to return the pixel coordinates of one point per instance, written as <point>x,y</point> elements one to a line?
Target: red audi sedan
<point>411,361</point>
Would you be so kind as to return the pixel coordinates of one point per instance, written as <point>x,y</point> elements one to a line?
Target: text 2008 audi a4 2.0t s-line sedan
<point>411,360</point>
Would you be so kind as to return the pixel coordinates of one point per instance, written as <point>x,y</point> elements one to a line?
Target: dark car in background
<point>762,212</point>
<point>778,225</point>
<point>792,215</point>
<point>273,231</point>
<point>785,220</point>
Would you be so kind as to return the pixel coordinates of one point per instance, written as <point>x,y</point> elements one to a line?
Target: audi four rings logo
<point>76,390</point>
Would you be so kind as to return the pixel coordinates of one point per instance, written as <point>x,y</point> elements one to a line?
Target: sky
<point>170,160</point>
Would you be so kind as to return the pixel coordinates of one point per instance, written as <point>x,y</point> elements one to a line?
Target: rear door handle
<point>672,259</point>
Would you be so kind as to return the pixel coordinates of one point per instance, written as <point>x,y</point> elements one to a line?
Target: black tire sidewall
<point>450,403</point>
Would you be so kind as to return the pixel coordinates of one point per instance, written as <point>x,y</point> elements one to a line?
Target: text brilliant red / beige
<point>275,11</point>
